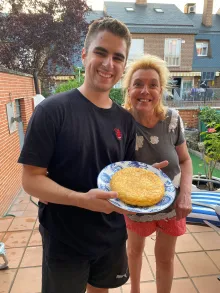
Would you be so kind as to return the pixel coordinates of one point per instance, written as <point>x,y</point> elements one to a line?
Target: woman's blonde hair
<point>147,62</point>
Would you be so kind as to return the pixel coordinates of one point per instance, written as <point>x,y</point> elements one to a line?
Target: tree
<point>42,36</point>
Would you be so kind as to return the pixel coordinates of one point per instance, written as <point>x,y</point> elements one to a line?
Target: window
<point>208,76</point>
<point>187,85</point>
<point>172,52</point>
<point>137,49</point>
<point>202,48</point>
<point>159,10</point>
<point>129,8</point>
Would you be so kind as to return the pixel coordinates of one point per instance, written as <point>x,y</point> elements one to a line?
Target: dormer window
<point>159,10</point>
<point>129,9</point>
<point>202,48</point>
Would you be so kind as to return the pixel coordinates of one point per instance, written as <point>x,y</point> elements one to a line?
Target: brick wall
<point>154,44</point>
<point>190,117</point>
<point>12,86</point>
<point>207,13</point>
<point>141,1</point>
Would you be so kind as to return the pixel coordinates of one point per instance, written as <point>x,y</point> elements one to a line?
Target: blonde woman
<point>160,136</point>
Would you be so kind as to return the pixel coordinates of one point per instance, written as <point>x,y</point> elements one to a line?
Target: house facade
<point>176,37</point>
<point>206,58</point>
<point>160,29</point>
<point>188,42</point>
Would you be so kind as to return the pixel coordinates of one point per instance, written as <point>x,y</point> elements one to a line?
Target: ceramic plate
<point>104,183</point>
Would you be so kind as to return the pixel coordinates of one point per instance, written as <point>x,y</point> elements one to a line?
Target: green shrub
<point>117,96</point>
<point>209,116</point>
<point>66,86</point>
<point>69,85</point>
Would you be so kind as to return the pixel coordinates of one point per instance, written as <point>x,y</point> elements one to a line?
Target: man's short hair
<point>111,25</point>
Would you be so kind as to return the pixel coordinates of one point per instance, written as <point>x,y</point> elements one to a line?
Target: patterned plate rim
<point>143,210</point>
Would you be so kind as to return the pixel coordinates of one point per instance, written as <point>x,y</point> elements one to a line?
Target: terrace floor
<point>197,259</point>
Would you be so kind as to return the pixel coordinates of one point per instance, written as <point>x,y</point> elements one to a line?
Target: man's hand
<point>97,200</point>
<point>160,165</point>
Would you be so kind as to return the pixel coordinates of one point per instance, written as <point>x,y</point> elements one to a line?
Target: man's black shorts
<point>64,272</point>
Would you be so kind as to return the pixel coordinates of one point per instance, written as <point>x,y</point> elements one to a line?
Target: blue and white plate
<point>104,183</point>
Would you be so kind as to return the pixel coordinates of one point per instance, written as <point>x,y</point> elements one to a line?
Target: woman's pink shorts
<point>170,226</point>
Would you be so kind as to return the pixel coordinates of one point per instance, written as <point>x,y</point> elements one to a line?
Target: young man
<point>71,137</point>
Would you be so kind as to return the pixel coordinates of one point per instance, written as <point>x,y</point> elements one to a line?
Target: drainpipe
<point>36,83</point>
<point>38,97</point>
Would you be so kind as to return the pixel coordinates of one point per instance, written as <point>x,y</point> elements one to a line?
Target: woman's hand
<point>183,205</point>
<point>160,165</point>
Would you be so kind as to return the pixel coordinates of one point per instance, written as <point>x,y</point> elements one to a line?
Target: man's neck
<point>100,99</point>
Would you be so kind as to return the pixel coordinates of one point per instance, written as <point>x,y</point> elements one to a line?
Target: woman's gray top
<point>157,144</point>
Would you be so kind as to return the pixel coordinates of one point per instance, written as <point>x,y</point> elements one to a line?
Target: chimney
<point>207,13</point>
<point>141,2</point>
<point>190,8</point>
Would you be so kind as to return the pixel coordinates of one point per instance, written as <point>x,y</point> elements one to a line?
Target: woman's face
<point>144,90</point>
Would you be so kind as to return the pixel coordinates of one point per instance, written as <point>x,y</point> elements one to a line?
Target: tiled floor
<point>197,260</point>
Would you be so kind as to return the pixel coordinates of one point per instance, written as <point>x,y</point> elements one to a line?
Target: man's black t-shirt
<point>75,140</point>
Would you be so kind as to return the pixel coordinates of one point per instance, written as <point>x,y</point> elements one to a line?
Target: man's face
<point>104,61</point>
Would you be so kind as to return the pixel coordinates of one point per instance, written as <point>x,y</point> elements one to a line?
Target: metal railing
<point>193,97</point>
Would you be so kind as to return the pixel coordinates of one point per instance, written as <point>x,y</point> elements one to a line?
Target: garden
<point>204,148</point>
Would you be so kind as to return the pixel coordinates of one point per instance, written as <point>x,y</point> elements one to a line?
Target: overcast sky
<point>98,4</point>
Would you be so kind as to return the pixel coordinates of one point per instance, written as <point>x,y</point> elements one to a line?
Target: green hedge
<point>209,115</point>
<point>117,96</point>
<point>69,85</point>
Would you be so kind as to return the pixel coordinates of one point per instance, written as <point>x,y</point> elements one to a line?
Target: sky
<point>98,4</point>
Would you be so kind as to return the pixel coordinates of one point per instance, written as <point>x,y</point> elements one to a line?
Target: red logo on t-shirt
<point>118,133</point>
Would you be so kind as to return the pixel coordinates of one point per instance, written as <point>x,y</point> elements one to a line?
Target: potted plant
<point>209,148</point>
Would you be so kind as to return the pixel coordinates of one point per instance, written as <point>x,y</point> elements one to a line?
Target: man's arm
<point>36,183</point>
